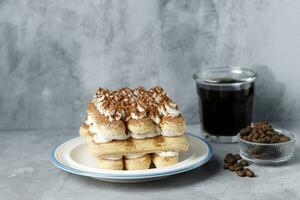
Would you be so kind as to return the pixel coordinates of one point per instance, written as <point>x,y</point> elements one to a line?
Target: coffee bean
<point>256,140</point>
<point>275,137</point>
<point>249,128</point>
<point>226,165</point>
<point>268,139</point>
<point>231,168</point>
<point>284,139</point>
<point>249,137</point>
<point>269,132</point>
<point>249,172</point>
<point>229,158</point>
<point>254,130</point>
<point>262,132</point>
<point>244,163</point>
<point>255,136</point>
<point>263,140</point>
<point>240,173</point>
<point>238,167</point>
<point>244,137</point>
<point>235,167</point>
<point>237,156</point>
<point>262,136</point>
<point>244,131</point>
<point>228,155</point>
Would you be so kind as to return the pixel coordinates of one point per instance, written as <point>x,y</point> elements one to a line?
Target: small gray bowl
<point>268,153</point>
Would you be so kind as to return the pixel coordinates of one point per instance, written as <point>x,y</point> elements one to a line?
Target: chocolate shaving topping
<point>138,103</point>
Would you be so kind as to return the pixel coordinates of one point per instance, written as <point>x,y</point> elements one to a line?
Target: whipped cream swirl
<point>112,157</point>
<point>167,153</point>
<point>101,137</point>
<point>89,120</point>
<point>171,133</point>
<point>145,135</point>
<point>169,109</point>
<point>105,138</point>
<point>134,155</point>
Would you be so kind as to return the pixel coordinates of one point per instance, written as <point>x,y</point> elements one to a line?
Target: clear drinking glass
<point>226,96</point>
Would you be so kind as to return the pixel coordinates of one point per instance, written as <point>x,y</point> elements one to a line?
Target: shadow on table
<point>182,180</point>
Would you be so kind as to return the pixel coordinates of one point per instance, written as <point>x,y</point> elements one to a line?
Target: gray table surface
<point>27,173</point>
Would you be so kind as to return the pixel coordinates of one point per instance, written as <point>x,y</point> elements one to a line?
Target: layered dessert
<point>128,129</point>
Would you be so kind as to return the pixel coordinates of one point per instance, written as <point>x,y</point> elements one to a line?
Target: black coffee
<point>225,111</point>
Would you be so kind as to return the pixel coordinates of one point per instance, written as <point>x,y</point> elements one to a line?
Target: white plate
<point>73,156</point>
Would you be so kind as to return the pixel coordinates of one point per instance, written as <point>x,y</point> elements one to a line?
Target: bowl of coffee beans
<point>261,143</point>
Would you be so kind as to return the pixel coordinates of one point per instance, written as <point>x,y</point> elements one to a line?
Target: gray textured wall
<point>53,54</point>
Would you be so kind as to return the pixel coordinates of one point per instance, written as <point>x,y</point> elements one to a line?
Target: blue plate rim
<point>72,170</point>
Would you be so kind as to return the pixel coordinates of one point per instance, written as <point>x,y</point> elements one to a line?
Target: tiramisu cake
<point>128,129</point>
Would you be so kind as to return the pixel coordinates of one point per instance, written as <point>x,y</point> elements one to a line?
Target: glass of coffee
<point>226,97</point>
